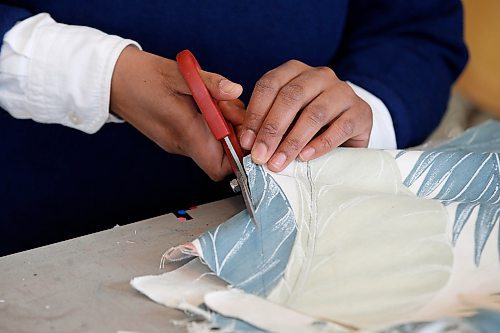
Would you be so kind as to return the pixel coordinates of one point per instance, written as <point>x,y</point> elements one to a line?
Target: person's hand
<point>149,92</point>
<point>302,111</point>
<point>234,112</point>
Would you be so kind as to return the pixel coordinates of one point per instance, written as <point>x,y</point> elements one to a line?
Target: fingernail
<point>247,139</point>
<point>259,152</point>
<point>307,153</point>
<point>227,86</point>
<point>278,160</point>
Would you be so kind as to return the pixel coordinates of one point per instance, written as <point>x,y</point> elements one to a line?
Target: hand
<point>149,92</point>
<point>301,111</point>
<point>234,112</point>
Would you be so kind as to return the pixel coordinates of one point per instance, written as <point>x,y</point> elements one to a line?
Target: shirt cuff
<point>383,135</point>
<point>56,73</point>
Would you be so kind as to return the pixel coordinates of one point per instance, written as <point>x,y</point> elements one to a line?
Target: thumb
<point>221,88</point>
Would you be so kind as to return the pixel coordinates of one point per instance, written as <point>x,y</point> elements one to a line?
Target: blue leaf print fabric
<point>250,258</point>
<point>465,171</point>
<point>428,220</point>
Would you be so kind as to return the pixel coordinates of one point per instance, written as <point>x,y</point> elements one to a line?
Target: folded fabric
<point>362,239</point>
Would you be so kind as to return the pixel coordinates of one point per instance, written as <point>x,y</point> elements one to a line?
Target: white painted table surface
<point>82,285</point>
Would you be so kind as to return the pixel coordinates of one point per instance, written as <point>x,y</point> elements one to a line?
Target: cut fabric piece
<point>185,285</point>
<point>369,239</point>
<point>266,315</point>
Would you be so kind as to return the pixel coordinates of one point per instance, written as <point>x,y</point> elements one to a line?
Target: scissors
<point>220,128</point>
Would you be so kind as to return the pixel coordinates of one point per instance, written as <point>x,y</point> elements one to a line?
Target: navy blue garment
<point>408,53</point>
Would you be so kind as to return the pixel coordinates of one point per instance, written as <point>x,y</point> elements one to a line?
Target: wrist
<point>120,79</point>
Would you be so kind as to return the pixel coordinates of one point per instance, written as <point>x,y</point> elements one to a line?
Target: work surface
<point>82,285</point>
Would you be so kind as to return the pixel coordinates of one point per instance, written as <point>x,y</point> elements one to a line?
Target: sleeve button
<point>75,119</point>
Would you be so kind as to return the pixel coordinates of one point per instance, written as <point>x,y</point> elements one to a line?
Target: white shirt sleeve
<point>56,73</point>
<point>383,135</point>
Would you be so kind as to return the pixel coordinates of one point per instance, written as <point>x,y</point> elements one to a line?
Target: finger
<point>265,91</point>
<point>290,100</point>
<point>221,88</point>
<point>200,143</point>
<point>233,111</point>
<point>347,126</point>
<point>206,151</point>
<point>313,118</point>
<point>218,86</point>
<point>194,140</point>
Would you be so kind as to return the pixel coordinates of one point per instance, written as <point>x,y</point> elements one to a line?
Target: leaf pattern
<point>465,171</point>
<point>368,251</point>
<point>263,250</point>
<point>363,248</point>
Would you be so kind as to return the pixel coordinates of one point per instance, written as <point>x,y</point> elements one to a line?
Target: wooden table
<point>82,285</point>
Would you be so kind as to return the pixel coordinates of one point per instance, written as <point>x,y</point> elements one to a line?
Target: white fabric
<point>383,135</point>
<point>187,284</point>
<point>363,231</point>
<point>377,246</point>
<point>192,284</point>
<point>266,315</point>
<point>56,73</point>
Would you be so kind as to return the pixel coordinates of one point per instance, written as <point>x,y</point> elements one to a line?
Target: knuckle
<point>292,94</point>
<point>346,128</point>
<point>215,171</point>
<point>317,114</point>
<point>252,120</point>
<point>294,62</point>
<point>293,144</point>
<point>327,143</point>
<point>347,91</point>
<point>266,85</point>
<point>217,175</point>
<point>270,128</point>
<point>215,80</point>
<point>346,95</point>
<point>327,71</point>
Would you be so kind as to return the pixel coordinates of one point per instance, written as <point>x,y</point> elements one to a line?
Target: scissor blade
<point>242,180</point>
<point>245,191</point>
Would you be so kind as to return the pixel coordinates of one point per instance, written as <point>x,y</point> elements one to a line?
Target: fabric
<point>407,54</point>
<point>380,238</point>
<point>55,73</point>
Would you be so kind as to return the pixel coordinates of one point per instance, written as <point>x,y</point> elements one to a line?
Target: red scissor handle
<point>189,68</point>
